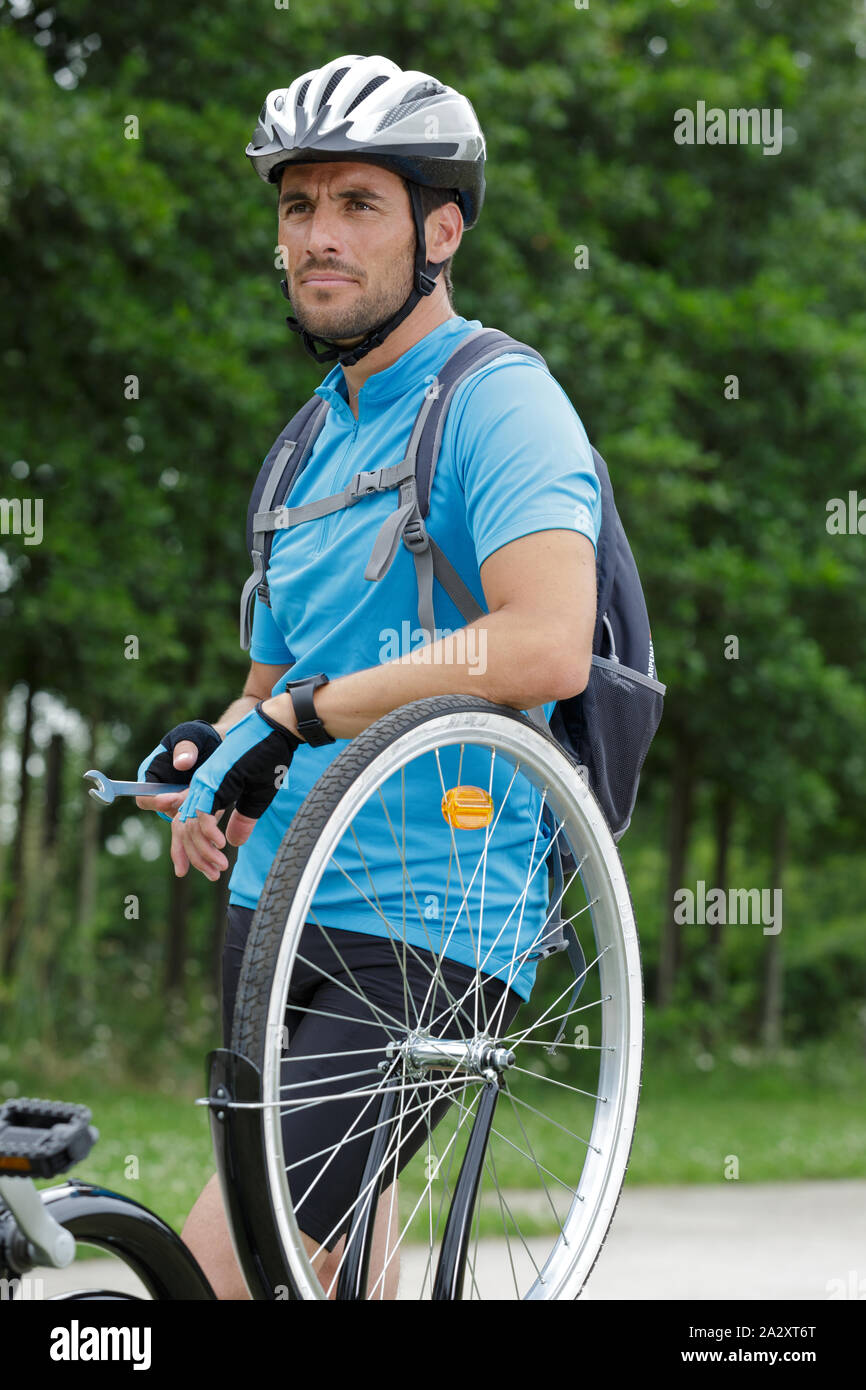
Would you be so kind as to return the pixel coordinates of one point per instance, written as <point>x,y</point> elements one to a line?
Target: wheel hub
<point>479,1056</point>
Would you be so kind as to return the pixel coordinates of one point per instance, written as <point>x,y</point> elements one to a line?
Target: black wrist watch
<point>310,726</point>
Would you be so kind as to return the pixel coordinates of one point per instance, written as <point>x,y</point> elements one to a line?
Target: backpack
<point>607,729</point>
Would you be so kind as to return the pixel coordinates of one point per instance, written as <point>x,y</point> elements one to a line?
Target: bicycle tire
<point>283,908</point>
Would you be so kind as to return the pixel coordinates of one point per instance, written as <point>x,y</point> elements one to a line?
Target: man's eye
<point>355,203</point>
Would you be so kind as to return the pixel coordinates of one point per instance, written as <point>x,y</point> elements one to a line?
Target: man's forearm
<point>504,657</point>
<point>235,713</point>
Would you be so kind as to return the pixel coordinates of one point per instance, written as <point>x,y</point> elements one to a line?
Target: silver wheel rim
<point>615,956</point>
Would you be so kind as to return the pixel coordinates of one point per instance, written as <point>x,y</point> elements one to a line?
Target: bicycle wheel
<point>510,1153</point>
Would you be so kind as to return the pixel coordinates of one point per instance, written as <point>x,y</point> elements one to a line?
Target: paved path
<point>730,1240</point>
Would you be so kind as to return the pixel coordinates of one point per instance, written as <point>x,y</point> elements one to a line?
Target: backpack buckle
<point>554,940</point>
<point>363,484</point>
<point>415,536</point>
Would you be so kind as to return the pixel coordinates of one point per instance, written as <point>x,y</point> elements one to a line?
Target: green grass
<point>798,1117</point>
<point>791,1120</point>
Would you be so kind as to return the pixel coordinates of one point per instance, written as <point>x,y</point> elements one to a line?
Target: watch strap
<point>310,726</point>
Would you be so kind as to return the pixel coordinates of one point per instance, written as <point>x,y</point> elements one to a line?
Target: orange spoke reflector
<point>467,808</point>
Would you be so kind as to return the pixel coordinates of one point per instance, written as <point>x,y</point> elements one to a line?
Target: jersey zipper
<point>331,486</point>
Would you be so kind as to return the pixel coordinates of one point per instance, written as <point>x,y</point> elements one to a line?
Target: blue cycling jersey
<point>514,459</point>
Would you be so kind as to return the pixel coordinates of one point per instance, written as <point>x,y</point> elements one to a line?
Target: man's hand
<point>183,748</point>
<point>249,768</point>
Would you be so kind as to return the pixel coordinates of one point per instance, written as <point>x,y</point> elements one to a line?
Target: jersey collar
<point>417,364</point>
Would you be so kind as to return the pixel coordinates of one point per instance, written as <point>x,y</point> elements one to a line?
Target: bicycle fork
<point>450,1271</point>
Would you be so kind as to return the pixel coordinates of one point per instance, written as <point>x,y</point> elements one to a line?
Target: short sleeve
<point>267,643</point>
<point>523,457</point>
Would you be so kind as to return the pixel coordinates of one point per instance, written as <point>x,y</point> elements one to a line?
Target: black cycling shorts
<point>325,1144</point>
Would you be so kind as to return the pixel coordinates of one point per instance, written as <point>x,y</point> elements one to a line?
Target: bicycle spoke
<point>451,1142</point>
<point>452,847</point>
<point>287,1108</point>
<point>467,889</point>
<point>314,1081</point>
<point>307,1009</point>
<point>415,955</point>
<point>564,1084</point>
<point>361,1134</point>
<point>517,1148</point>
<point>336,1149</point>
<point>388,1255</point>
<point>552,908</point>
<point>354,993</point>
<point>432,1234</point>
<point>537,1167</point>
<point>504,1203</point>
<point>483,859</point>
<point>435,972</point>
<point>344,1052</point>
<point>539,935</point>
<point>517,1040</point>
<point>446,1192</point>
<point>362,1194</point>
<point>405,871</point>
<point>543,1018</point>
<point>518,1100</point>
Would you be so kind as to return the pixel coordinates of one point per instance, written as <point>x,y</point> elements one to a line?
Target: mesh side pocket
<point>620,710</point>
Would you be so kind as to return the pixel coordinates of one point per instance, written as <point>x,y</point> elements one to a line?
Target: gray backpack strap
<point>286,458</point>
<point>459,593</point>
<point>361,485</point>
<point>385,545</point>
<point>257,578</point>
<point>407,522</point>
<point>475,351</point>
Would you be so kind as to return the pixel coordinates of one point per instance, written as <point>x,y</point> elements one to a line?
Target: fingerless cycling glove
<point>248,769</point>
<point>158,765</point>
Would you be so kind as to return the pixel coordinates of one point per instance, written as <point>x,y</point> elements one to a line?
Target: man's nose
<point>323,230</point>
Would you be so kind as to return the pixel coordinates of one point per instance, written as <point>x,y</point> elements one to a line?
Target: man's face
<point>350,245</point>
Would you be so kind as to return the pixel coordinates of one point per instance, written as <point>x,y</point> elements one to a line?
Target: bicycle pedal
<point>41,1138</point>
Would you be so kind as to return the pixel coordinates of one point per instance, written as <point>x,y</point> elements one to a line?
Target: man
<point>379,173</point>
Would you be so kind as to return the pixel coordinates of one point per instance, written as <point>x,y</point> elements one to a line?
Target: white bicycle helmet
<point>368,109</point>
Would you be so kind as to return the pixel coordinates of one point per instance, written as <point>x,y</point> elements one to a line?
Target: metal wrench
<point>105,790</point>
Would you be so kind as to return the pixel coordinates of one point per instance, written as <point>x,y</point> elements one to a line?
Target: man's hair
<point>432,198</point>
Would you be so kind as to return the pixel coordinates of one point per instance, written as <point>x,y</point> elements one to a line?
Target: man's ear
<point>449,220</point>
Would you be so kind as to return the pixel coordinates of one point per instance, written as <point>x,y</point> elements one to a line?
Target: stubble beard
<point>352,322</point>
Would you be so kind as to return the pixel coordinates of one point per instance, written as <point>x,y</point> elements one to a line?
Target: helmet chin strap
<point>424,283</point>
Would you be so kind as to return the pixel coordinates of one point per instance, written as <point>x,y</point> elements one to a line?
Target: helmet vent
<point>397,112</point>
<point>365,91</point>
<point>332,82</point>
<point>302,92</point>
